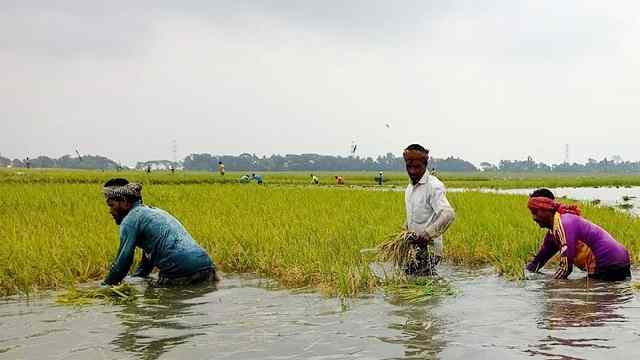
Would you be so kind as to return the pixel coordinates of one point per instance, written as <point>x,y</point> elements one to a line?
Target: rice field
<point>475,180</point>
<point>57,234</point>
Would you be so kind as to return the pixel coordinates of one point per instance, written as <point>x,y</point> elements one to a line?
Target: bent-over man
<point>165,243</point>
<point>579,241</point>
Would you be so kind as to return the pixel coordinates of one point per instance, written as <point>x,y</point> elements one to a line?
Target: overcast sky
<point>482,80</point>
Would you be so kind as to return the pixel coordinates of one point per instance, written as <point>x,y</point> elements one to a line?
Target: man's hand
<point>532,267</point>
<point>411,237</point>
<point>422,239</point>
<point>418,239</point>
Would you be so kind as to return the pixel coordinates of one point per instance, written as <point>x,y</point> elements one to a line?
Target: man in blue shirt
<point>165,243</point>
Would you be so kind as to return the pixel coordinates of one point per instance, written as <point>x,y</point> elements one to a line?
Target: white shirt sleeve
<point>438,198</point>
<point>444,213</point>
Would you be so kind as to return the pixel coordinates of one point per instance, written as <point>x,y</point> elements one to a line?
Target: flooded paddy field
<point>248,318</point>
<point>624,198</point>
<point>312,238</point>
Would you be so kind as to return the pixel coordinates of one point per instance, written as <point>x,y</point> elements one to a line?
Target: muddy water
<point>245,318</point>
<point>628,198</point>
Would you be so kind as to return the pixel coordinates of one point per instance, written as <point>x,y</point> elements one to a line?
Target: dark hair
<point>416,147</point>
<point>544,192</point>
<point>116,182</point>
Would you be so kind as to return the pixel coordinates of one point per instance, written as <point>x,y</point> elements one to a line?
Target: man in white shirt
<point>429,213</point>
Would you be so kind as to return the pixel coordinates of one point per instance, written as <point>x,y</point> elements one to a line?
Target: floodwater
<point>247,318</point>
<point>626,198</point>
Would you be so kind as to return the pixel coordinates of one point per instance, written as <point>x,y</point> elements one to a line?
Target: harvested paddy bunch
<point>120,294</point>
<point>419,291</point>
<point>398,249</point>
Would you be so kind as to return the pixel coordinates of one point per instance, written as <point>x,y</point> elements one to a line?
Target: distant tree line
<point>313,162</point>
<point>603,166</point>
<point>317,162</point>
<point>65,162</point>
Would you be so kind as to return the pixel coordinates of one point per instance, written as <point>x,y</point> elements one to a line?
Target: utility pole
<point>566,153</point>
<point>174,149</point>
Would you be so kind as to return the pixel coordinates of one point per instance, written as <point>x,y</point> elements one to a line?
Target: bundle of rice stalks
<point>420,291</point>
<point>398,250</point>
<point>119,294</point>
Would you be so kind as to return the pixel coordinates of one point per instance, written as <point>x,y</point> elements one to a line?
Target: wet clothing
<point>200,277</point>
<point>613,274</point>
<point>425,265</point>
<point>583,244</point>
<point>165,243</point>
<point>429,213</point>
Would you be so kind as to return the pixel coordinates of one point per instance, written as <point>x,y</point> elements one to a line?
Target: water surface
<point>246,318</point>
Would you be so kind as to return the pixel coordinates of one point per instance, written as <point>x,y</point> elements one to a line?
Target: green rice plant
<point>468,180</point>
<point>419,291</point>
<point>62,234</point>
<point>57,234</point>
<point>119,294</point>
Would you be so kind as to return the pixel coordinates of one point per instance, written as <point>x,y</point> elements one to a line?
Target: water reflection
<point>572,306</point>
<point>583,303</point>
<point>162,321</point>
<point>422,332</point>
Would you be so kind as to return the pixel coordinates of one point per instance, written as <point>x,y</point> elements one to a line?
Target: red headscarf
<point>540,202</point>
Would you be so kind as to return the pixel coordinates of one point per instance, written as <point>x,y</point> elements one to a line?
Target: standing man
<point>429,213</point>
<point>165,243</point>
<point>380,178</point>
<point>221,167</point>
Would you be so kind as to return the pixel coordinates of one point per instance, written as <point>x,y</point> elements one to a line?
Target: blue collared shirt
<point>165,243</point>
